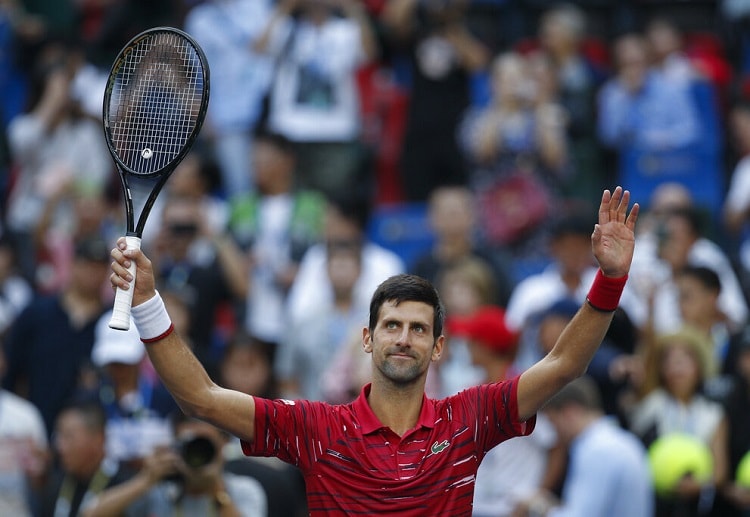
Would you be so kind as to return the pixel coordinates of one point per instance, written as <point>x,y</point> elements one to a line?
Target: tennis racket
<point>155,102</point>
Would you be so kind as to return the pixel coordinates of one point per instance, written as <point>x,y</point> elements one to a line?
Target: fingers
<point>614,207</point>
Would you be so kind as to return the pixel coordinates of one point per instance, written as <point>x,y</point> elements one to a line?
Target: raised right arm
<point>180,371</point>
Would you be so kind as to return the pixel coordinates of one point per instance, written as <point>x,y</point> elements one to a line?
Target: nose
<point>403,337</point>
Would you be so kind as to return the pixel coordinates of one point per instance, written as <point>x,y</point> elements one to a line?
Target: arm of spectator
<point>613,126</point>
<point>284,9</point>
<point>399,17</point>
<point>233,266</point>
<point>354,10</point>
<point>116,499</point>
<point>551,124</point>
<point>472,54</point>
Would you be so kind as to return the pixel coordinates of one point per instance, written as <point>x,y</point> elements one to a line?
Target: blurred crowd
<point>490,127</point>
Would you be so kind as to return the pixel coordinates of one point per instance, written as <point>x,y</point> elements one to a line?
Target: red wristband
<point>605,292</point>
<point>161,336</point>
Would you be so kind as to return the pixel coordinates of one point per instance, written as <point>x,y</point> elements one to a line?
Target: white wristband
<point>152,320</point>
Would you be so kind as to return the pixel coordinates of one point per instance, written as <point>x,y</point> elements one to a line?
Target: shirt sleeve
<point>494,408</point>
<point>287,429</point>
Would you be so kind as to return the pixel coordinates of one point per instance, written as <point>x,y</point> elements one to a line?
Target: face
<point>697,303</point>
<point>402,344</point>
<point>573,253</point>
<point>77,445</point>
<point>344,270</point>
<point>451,213</point>
<point>675,241</point>
<point>679,370</point>
<point>88,276</point>
<point>246,369</point>
<point>549,331</point>
<point>181,226</point>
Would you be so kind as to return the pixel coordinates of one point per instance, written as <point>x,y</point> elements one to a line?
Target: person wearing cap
<point>51,340</point>
<point>515,469</point>
<point>136,406</point>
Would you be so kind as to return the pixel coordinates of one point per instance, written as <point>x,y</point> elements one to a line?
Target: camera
<point>196,451</point>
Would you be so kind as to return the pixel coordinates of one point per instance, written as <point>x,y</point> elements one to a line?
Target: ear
<point>366,340</point>
<point>437,348</point>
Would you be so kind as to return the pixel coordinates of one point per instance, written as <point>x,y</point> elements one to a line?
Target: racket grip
<point>120,319</point>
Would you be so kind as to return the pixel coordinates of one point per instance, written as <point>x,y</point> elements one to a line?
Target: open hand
<point>613,240</point>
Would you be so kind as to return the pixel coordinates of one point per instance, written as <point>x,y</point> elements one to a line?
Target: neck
<point>87,471</point>
<point>397,407</point>
<point>452,248</point>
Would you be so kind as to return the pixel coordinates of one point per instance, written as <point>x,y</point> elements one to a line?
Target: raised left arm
<point>612,242</point>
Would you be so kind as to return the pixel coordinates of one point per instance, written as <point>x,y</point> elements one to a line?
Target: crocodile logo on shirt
<point>439,447</point>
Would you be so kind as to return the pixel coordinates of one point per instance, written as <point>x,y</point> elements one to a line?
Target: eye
<point>419,328</point>
<point>391,325</point>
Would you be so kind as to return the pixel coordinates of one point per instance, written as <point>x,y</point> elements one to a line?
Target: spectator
<point>240,77</point>
<point>452,217</point>
<point>52,143</point>
<point>668,56</point>
<point>513,470</point>
<point>734,500</point>
<point>736,209</point>
<point>15,291</point>
<point>673,403</point>
<point>90,214</point>
<point>197,178</point>
<point>608,471</point>
<point>570,270</point>
<point>641,109</point>
<point>275,225</point>
<point>46,360</point>
<point>698,290</point>
<point>680,241</point>
<point>314,100</point>
<point>515,147</point>
<point>203,265</point>
<point>321,341</point>
<point>136,407</point>
<point>82,470</point>
<point>345,223</point>
<point>562,31</point>
<point>24,453</point>
<point>195,467</point>
<point>247,366</point>
<point>467,286</point>
<point>441,54</point>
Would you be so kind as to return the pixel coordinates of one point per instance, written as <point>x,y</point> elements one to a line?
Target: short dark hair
<point>707,277</point>
<point>582,392</point>
<point>408,288</point>
<point>90,410</point>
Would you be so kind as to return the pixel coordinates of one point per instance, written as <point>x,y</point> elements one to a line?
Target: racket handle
<point>120,319</point>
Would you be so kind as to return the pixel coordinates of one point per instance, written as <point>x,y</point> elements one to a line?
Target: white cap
<point>116,346</point>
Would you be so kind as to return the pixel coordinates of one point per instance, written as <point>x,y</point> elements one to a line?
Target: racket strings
<point>156,101</point>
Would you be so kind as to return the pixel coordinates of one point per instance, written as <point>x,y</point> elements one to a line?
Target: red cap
<point>486,327</point>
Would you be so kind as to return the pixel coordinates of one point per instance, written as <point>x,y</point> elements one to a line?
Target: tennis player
<point>393,450</point>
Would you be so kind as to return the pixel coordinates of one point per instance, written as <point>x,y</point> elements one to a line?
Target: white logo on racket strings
<point>147,153</point>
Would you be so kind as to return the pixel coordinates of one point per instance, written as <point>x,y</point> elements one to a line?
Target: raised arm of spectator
<point>180,371</point>
<point>613,241</point>
<point>354,10</point>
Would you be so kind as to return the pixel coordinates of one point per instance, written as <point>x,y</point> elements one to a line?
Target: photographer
<point>187,479</point>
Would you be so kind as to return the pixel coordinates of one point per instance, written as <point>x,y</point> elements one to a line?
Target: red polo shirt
<point>353,465</point>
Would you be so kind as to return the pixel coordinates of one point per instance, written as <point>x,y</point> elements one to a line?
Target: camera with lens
<point>196,451</point>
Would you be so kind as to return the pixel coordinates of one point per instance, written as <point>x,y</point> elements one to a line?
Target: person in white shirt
<point>345,222</point>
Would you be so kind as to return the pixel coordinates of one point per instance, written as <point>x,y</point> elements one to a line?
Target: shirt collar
<point>370,423</point>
